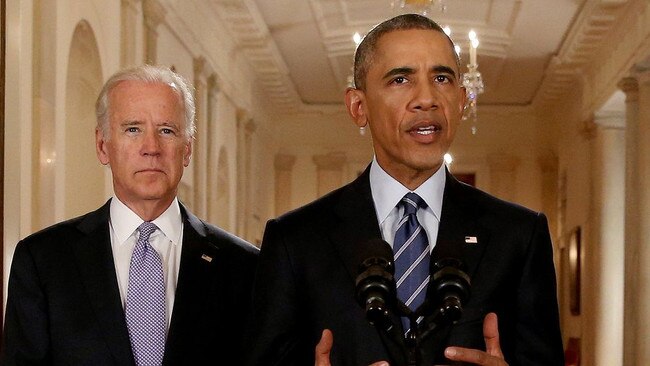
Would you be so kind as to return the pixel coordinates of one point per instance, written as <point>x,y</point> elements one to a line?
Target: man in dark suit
<point>140,280</point>
<point>409,94</point>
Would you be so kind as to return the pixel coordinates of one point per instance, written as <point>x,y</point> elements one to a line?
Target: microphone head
<point>375,248</point>
<point>450,286</point>
<point>375,284</point>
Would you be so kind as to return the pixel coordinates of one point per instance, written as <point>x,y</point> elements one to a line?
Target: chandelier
<point>473,82</point>
<point>419,6</point>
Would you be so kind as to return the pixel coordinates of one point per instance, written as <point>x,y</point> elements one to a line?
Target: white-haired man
<point>140,280</point>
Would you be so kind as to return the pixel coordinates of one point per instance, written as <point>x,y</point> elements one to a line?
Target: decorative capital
<point>250,127</point>
<point>629,86</point>
<point>284,162</point>
<point>588,129</point>
<point>154,13</point>
<point>214,84</point>
<point>131,3</point>
<point>548,163</point>
<point>331,161</point>
<point>502,162</point>
<point>202,68</point>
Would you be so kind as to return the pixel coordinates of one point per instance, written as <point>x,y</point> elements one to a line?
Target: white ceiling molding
<point>585,38</point>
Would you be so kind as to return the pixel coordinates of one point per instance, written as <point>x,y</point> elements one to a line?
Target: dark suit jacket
<point>64,305</point>
<point>309,261</point>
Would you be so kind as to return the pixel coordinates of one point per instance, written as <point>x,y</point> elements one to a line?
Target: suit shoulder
<point>315,211</point>
<point>63,230</point>
<point>226,240</point>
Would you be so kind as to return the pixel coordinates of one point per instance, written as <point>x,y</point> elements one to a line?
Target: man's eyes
<point>399,80</point>
<point>442,78</point>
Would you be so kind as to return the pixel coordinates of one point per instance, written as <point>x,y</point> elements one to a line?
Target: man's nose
<point>426,97</point>
<point>150,143</point>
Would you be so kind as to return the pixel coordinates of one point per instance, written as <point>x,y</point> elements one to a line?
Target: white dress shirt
<point>388,192</point>
<point>167,240</point>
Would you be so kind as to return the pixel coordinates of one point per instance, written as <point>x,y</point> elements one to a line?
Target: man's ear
<point>100,147</point>
<point>355,100</point>
<point>188,153</point>
<point>463,99</point>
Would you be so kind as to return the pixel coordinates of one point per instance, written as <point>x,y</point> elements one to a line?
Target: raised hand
<point>492,355</point>
<point>324,347</point>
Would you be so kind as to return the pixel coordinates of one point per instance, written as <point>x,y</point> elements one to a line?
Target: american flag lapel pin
<point>471,240</point>
<point>206,258</point>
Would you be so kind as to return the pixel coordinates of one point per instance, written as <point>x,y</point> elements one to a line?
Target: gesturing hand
<point>492,355</point>
<point>324,347</point>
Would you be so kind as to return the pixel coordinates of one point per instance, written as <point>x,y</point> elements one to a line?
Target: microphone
<point>375,284</point>
<point>450,287</point>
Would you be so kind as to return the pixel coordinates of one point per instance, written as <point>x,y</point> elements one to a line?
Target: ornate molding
<point>584,40</point>
<point>248,29</point>
<point>610,119</point>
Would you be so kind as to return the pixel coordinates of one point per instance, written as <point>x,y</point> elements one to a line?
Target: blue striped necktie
<point>145,301</point>
<point>412,257</point>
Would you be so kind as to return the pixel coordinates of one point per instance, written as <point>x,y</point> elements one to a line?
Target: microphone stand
<point>410,342</point>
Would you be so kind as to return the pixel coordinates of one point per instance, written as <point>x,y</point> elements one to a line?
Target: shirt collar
<point>124,221</point>
<point>387,192</point>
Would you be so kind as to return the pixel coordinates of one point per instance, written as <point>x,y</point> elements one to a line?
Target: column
<point>329,170</point>
<point>605,254</point>
<point>630,87</point>
<point>154,14</point>
<point>283,175</point>
<point>245,129</point>
<point>129,32</point>
<point>200,148</point>
<point>249,128</point>
<point>213,149</point>
<point>642,155</point>
<point>503,176</point>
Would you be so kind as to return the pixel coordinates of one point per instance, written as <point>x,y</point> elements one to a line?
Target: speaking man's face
<point>412,104</point>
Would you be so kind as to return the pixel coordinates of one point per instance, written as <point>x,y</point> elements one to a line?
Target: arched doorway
<point>84,176</point>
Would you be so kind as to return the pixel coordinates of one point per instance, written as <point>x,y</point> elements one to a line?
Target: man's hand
<point>492,355</point>
<point>324,347</point>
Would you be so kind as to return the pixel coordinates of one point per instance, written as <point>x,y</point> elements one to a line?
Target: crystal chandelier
<point>418,6</point>
<point>473,82</point>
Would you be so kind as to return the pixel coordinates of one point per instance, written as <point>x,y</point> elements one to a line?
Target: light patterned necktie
<point>411,247</point>
<point>145,301</point>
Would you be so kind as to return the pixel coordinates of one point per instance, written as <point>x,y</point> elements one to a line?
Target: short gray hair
<point>147,74</point>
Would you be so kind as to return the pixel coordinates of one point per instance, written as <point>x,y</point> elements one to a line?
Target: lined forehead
<point>395,48</point>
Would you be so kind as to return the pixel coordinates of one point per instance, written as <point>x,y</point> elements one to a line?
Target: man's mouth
<point>426,130</point>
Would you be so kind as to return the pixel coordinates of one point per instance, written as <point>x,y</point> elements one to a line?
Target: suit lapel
<point>358,223</point>
<point>94,258</point>
<point>460,234</point>
<point>199,259</point>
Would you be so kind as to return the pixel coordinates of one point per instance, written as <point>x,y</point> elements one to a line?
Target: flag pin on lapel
<point>206,258</point>
<point>471,240</point>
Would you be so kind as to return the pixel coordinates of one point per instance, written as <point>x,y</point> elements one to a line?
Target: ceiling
<point>529,50</point>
